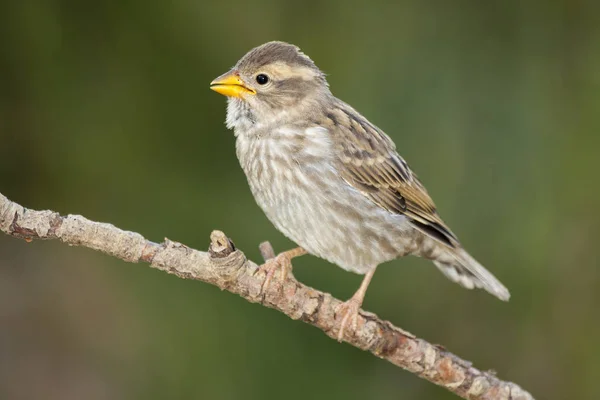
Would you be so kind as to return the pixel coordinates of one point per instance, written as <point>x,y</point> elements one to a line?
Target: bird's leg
<point>282,261</point>
<point>350,308</point>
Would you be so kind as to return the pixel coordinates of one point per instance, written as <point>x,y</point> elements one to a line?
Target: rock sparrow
<point>330,180</point>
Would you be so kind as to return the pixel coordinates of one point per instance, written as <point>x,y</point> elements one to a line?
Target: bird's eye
<point>262,79</point>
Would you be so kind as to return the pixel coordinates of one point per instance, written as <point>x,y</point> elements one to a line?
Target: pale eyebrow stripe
<point>282,69</point>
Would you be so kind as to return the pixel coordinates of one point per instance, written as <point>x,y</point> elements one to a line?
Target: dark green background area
<point>105,111</point>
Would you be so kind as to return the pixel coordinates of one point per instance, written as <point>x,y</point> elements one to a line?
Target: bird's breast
<point>292,177</point>
<point>284,153</point>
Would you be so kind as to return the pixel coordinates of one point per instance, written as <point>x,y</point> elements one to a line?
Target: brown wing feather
<point>367,160</point>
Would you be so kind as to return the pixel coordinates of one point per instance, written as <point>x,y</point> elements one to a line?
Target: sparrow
<point>330,180</point>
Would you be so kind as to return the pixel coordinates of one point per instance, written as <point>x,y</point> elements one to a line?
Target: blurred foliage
<point>105,111</point>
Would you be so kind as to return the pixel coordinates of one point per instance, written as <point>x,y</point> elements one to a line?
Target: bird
<point>330,180</point>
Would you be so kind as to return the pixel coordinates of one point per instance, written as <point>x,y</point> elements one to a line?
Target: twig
<point>226,267</point>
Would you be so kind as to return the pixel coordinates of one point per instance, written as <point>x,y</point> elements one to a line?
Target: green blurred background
<point>105,111</point>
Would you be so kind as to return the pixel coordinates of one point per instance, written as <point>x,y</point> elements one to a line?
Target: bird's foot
<point>271,266</point>
<point>349,309</point>
<point>349,312</point>
<point>283,262</point>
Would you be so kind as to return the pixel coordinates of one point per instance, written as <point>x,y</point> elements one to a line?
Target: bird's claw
<point>349,310</point>
<point>282,262</point>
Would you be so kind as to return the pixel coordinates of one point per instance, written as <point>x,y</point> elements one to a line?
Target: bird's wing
<point>368,161</point>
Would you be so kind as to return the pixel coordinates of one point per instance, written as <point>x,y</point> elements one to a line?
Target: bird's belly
<point>318,210</point>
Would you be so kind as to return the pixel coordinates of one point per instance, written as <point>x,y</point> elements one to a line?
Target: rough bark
<point>227,267</point>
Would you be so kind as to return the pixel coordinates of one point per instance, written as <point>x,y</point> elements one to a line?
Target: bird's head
<point>269,80</point>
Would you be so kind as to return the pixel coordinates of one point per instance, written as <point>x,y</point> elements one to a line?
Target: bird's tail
<point>463,269</point>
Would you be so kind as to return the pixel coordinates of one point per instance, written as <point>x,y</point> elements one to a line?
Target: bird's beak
<point>230,84</point>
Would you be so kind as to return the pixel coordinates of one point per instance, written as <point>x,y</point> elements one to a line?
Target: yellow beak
<point>231,85</point>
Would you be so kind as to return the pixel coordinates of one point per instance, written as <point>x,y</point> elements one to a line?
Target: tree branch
<point>226,267</point>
